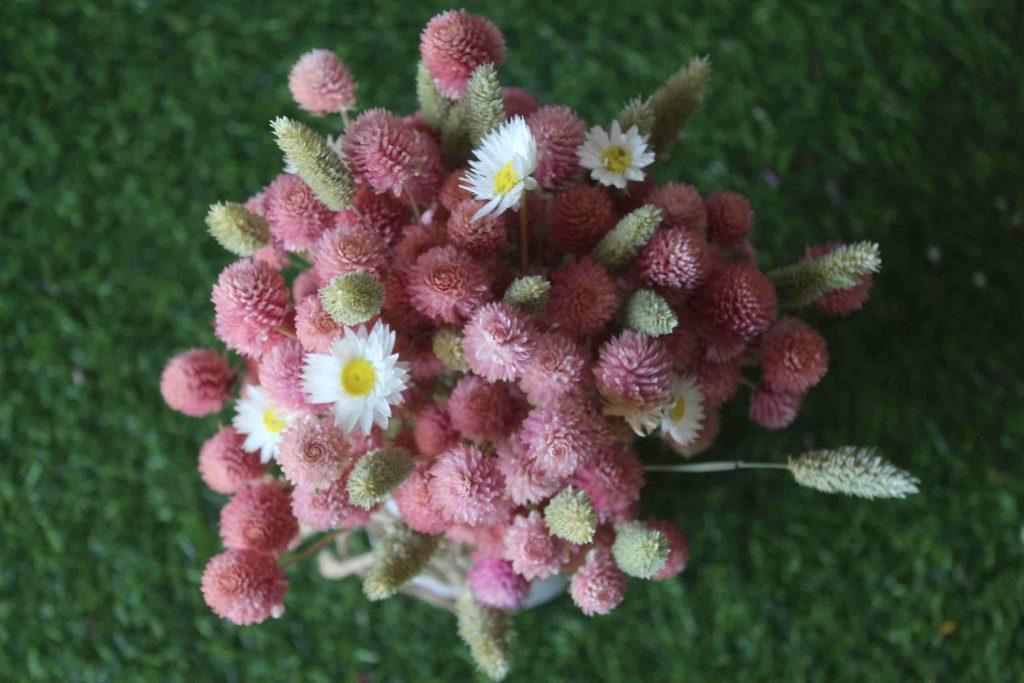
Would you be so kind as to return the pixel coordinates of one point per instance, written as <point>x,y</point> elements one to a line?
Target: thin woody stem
<point>286,332</point>
<point>313,549</point>
<point>724,466</point>
<point>412,201</point>
<point>524,239</point>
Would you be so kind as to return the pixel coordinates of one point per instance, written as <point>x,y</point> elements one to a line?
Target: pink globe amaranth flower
<point>383,213</point>
<point>635,195</point>
<point>398,310</point>
<point>433,432</point>
<point>251,302</point>
<point>313,452</point>
<point>257,203</point>
<point>559,133</point>
<point>840,302</point>
<point>348,249</point>
<point>583,298</point>
<point>304,284</point>
<point>314,327</point>
<point>794,356</point>
<point>705,437</point>
<point>532,550</point>
<point>197,382</point>
<point>416,239</point>
<point>452,191</point>
<point>518,102</point>
<point>415,506</point>
<point>447,284</point>
<point>481,410</point>
<point>774,409</point>
<point>675,259</point>
<point>730,217</point>
<point>244,586</point>
<point>295,216</point>
<point>678,545</point>
<point>681,207</point>
<point>224,464</point>
<point>467,488</point>
<point>321,83</point>
<point>258,518</point>
<point>494,583</point>
<point>599,585</point>
<point>280,373</point>
<point>273,254</point>
<point>392,156</point>
<point>560,437</point>
<point>737,300</point>
<point>497,342</point>
<point>487,235</point>
<point>360,444</point>
<point>633,369</point>
<point>525,482</point>
<point>723,348</point>
<point>323,509</point>
<point>484,538</point>
<point>557,367</point>
<point>454,44</point>
<point>612,478</point>
<point>580,217</point>
<point>718,381</point>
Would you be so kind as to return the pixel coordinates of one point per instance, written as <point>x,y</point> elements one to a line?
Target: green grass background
<point>120,122</point>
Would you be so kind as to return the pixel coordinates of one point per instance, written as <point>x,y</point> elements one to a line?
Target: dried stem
<point>724,466</point>
<point>524,240</point>
<point>412,202</point>
<point>286,332</point>
<point>334,568</point>
<point>313,549</point>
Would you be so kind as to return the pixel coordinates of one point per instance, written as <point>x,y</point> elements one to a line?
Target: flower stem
<point>344,118</point>
<point>303,260</point>
<point>286,332</point>
<point>524,240</point>
<point>412,201</point>
<point>724,466</point>
<point>313,549</point>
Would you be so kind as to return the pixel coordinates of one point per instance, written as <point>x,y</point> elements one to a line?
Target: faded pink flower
<point>481,410</point>
<point>532,550</point>
<point>244,586</point>
<point>433,431</point>
<point>383,213</point>
<point>774,409</point>
<point>447,284</point>
<point>678,545</point>
<point>415,506</point>
<point>294,214</point>
<point>417,238</point>
<point>560,437</point>
<point>280,373</point>
<point>580,217</point>
<point>497,342</point>
<point>304,284</point>
<point>258,518</point>
<point>525,481</point>
<point>454,44</point>
<point>612,478</point>
<point>224,464</point>
<point>323,509</point>
<point>518,102</point>
<point>321,83</point>
<point>681,207</point>
<point>633,369</point>
<point>314,327</point>
<point>251,302</point>
<point>794,356</point>
<point>558,367</point>
<point>559,133</point>
<point>313,452</point>
<point>730,217</point>
<point>392,156</point>
<point>737,300</point>
<point>675,259</point>
<point>197,382</point>
<point>599,585</point>
<point>494,583</point>
<point>481,237</point>
<point>583,298</point>
<point>347,249</point>
<point>466,487</point>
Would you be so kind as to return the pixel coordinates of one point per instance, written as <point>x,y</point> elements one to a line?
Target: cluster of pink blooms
<point>547,400</point>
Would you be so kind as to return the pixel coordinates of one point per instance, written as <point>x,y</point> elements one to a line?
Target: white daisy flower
<point>360,376</point>
<point>616,157</point>
<point>260,421</point>
<point>684,413</point>
<point>500,174</point>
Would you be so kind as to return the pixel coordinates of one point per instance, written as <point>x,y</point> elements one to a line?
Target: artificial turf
<point>893,121</point>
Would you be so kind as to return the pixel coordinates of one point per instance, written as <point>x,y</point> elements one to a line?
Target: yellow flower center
<point>358,377</point>
<point>271,422</point>
<point>505,179</point>
<point>678,410</point>
<point>616,159</point>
